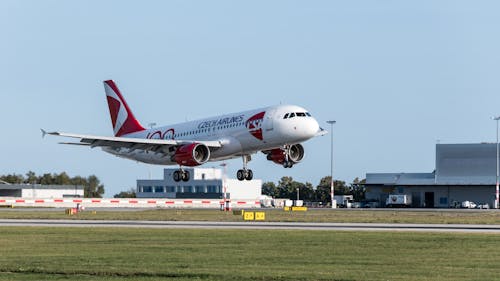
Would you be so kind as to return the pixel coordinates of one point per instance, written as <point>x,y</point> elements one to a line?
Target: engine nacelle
<point>278,155</point>
<point>193,154</point>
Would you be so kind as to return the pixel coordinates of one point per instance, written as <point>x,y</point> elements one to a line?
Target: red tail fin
<point>122,118</point>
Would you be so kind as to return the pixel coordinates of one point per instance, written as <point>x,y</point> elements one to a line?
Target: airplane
<point>277,131</point>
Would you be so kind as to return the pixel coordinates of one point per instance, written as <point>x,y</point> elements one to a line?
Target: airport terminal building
<point>204,183</point>
<point>464,172</point>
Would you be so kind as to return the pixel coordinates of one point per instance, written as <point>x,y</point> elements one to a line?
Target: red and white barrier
<point>125,202</point>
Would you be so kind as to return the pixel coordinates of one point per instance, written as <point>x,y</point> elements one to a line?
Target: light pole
<point>224,187</point>
<point>496,184</point>
<point>332,187</point>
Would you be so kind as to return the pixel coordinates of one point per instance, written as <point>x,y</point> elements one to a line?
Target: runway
<point>466,228</point>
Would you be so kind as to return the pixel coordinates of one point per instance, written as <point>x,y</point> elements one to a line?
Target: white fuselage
<point>241,133</point>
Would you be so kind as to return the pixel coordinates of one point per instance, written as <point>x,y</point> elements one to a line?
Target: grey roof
<point>456,164</point>
<point>38,186</point>
<point>400,178</point>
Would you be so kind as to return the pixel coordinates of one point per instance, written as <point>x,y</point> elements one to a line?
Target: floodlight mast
<point>497,172</point>
<point>332,184</point>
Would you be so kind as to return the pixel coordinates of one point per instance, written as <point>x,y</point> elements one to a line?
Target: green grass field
<point>313,215</point>
<point>35,253</point>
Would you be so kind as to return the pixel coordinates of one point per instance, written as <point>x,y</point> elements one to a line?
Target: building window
<point>188,188</point>
<point>179,189</point>
<point>443,201</point>
<point>212,189</point>
<point>159,189</point>
<point>401,190</point>
<point>170,188</point>
<point>147,189</point>
<point>199,189</point>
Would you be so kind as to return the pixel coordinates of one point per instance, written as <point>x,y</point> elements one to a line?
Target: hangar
<point>204,183</point>
<point>464,172</point>
<point>40,191</point>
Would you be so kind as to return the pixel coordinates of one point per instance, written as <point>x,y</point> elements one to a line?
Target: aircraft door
<point>269,123</point>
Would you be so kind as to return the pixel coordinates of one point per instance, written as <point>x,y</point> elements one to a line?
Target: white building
<point>206,183</point>
<point>40,191</point>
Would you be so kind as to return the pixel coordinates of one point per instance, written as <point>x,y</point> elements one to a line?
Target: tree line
<point>92,186</point>
<point>287,188</point>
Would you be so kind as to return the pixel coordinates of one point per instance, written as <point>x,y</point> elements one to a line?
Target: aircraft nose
<point>313,127</point>
<point>306,129</point>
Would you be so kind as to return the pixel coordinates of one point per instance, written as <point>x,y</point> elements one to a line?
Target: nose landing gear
<point>287,163</point>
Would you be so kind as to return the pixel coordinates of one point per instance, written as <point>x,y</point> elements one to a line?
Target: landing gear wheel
<point>249,175</point>
<point>245,174</point>
<point>240,175</point>
<point>177,176</point>
<point>185,176</point>
<point>181,175</point>
<point>288,164</point>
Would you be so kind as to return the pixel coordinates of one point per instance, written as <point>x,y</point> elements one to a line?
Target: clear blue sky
<point>396,75</point>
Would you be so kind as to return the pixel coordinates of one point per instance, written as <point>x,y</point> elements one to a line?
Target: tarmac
<point>464,228</point>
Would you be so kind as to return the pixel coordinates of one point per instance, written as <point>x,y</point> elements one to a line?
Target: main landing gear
<point>181,175</point>
<point>245,174</point>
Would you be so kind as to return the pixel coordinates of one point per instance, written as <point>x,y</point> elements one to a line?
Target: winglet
<point>43,133</point>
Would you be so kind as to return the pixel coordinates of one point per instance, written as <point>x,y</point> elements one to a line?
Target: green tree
<point>307,192</point>
<point>93,187</point>
<point>31,178</point>
<point>287,188</point>
<point>323,189</point>
<point>126,194</point>
<point>270,189</point>
<point>47,179</point>
<point>358,189</point>
<point>12,178</point>
<point>61,179</point>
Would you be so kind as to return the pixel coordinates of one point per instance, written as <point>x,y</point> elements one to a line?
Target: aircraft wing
<point>156,145</point>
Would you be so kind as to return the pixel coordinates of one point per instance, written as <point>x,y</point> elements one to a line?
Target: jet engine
<point>278,155</point>
<point>193,154</point>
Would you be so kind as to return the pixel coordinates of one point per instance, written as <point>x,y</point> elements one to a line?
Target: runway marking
<point>477,228</point>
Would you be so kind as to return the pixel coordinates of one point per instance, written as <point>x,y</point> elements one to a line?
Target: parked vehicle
<point>344,201</point>
<point>370,204</point>
<point>483,206</point>
<point>356,205</point>
<point>468,204</point>
<point>398,200</point>
<point>455,204</point>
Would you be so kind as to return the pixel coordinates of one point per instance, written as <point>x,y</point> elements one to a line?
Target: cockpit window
<point>308,114</point>
<point>286,116</point>
<point>291,115</point>
<point>301,114</point>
